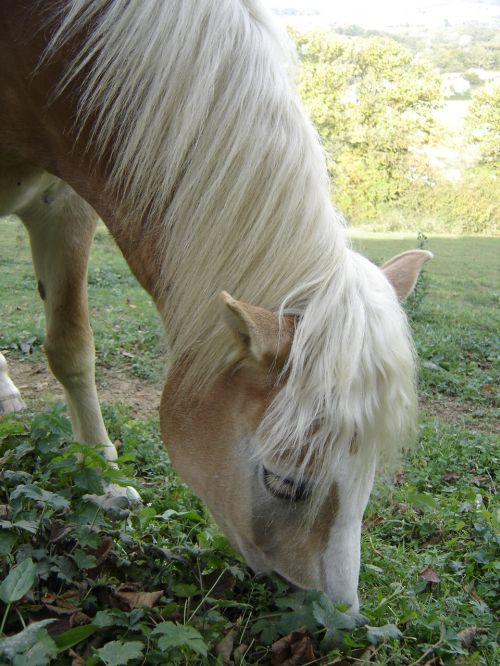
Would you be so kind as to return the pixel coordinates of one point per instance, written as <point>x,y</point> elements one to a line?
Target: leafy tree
<point>372,103</point>
<point>484,123</point>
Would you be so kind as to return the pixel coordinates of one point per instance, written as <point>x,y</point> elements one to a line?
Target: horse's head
<point>214,441</point>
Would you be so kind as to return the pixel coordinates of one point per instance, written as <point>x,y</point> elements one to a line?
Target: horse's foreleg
<point>61,228</point>
<point>10,398</point>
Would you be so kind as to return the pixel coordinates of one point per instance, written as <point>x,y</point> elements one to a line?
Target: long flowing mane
<point>192,103</point>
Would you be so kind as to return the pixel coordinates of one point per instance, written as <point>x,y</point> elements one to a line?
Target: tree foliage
<point>372,103</point>
<point>484,123</point>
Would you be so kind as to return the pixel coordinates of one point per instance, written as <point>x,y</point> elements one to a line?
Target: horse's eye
<point>283,488</point>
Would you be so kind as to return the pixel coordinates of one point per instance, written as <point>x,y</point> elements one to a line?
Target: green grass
<point>439,520</point>
<point>126,328</point>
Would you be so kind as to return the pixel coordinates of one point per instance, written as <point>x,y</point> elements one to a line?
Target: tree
<point>372,103</point>
<point>484,123</point>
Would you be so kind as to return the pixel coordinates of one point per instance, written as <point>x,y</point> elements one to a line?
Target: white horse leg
<point>10,398</point>
<point>61,227</point>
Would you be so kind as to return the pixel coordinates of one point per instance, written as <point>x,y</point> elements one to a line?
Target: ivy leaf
<point>378,634</point>
<point>422,500</point>
<point>33,492</point>
<point>330,617</point>
<point>83,559</point>
<point>118,653</point>
<point>7,541</point>
<point>301,604</point>
<point>18,582</point>
<point>179,635</point>
<point>268,628</point>
<point>38,654</point>
<point>26,640</point>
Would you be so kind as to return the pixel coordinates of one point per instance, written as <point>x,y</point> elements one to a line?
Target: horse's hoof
<point>12,403</point>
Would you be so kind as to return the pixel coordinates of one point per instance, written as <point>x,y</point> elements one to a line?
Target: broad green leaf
<point>268,628</point>
<point>302,614</point>
<point>83,560</point>
<point>18,582</point>
<point>180,635</point>
<point>27,526</point>
<point>118,653</point>
<point>330,617</point>
<point>40,653</point>
<point>74,636</point>
<point>38,494</point>
<point>7,541</point>
<point>185,590</point>
<point>24,640</point>
<point>379,634</point>
<point>422,500</point>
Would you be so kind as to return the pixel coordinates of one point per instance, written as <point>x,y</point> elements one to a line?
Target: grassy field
<point>100,584</point>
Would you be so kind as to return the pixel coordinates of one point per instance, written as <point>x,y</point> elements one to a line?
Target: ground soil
<point>462,414</point>
<point>116,385</point>
<point>37,386</point>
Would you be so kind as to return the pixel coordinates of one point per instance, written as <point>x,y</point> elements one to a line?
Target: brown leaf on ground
<point>400,478</point>
<point>239,652</point>
<point>468,635</point>
<point>435,661</point>
<point>76,660</point>
<point>59,530</point>
<point>451,476</point>
<point>374,520</point>
<point>63,604</point>
<point>78,619</point>
<point>224,647</point>
<point>430,576</point>
<point>470,589</point>
<point>5,512</point>
<point>294,649</point>
<point>139,599</point>
<point>101,553</point>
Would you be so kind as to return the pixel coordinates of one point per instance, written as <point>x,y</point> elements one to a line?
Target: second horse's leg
<point>10,398</point>
<point>61,227</point>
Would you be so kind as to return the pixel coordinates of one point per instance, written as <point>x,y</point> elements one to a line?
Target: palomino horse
<point>177,123</point>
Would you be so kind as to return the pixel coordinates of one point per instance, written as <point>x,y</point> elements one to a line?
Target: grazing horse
<point>177,123</point>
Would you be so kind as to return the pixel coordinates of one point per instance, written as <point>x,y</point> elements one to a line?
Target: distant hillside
<point>389,14</point>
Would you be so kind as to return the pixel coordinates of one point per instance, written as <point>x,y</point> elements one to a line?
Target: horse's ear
<point>262,334</point>
<point>403,270</point>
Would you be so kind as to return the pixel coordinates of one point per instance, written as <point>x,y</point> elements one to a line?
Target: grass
<point>161,585</point>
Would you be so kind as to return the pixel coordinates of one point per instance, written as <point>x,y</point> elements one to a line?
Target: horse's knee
<point>71,356</point>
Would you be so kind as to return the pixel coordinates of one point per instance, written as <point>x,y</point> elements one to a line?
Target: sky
<point>382,13</point>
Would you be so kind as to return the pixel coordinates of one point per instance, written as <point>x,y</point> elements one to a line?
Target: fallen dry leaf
<point>76,660</point>
<point>294,649</point>
<point>451,476</point>
<point>139,599</point>
<point>103,551</point>
<point>374,519</point>
<point>435,661</point>
<point>239,652</point>
<point>468,634</point>
<point>225,646</point>
<point>430,576</point>
<point>78,618</point>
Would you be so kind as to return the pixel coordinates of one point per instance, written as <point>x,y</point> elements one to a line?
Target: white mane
<point>192,101</point>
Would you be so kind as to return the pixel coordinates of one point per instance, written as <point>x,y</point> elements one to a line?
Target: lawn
<point>91,583</point>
